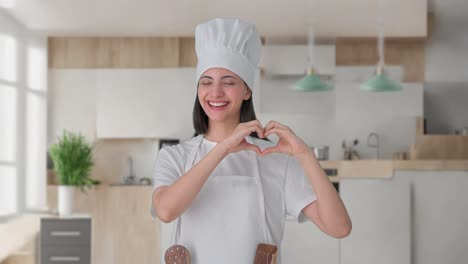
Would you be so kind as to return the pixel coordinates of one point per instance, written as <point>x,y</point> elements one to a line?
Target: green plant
<point>73,160</point>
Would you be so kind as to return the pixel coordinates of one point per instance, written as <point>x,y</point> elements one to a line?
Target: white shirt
<point>285,186</point>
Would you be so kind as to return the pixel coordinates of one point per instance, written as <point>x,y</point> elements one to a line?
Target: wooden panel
<point>72,52</point>
<point>187,57</point>
<point>398,51</point>
<point>419,127</point>
<point>441,147</point>
<point>123,229</point>
<point>113,52</point>
<point>431,165</point>
<point>19,239</point>
<point>26,255</point>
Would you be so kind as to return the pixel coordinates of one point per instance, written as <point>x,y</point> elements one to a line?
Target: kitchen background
<point>126,92</point>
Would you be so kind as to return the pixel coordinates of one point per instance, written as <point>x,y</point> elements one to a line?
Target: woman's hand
<point>288,142</point>
<point>236,141</point>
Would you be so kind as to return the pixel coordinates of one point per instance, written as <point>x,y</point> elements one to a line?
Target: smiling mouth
<point>217,104</point>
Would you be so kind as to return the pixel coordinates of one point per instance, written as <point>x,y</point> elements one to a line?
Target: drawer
<point>65,255</point>
<point>66,231</point>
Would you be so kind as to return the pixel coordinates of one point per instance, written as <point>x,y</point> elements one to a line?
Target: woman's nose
<point>218,89</point>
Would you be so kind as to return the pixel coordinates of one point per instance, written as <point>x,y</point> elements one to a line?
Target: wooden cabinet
<point>151,103</point>
<point>123,230</point>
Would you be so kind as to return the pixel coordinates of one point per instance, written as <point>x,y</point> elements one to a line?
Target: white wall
<point>446,51</point>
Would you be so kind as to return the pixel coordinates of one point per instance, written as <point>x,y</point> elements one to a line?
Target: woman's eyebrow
<point>208,77</point>
<point>228,76</point>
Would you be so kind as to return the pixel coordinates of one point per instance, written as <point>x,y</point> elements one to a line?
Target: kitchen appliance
<point>321,153</point>
<point>168,142</point>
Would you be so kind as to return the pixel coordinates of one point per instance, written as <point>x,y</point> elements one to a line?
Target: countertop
<point>386,168</point>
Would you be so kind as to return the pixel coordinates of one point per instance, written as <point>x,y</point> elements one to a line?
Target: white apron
<point>227,207</point>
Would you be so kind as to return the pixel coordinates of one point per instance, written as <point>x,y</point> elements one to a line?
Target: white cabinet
<point>380,213</point>
<point>305,243</point>
<point>144,103</point>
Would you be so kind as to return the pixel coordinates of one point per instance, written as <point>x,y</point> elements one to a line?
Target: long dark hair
<point>200,118</point>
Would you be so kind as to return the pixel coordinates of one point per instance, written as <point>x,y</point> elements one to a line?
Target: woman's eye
<point>205,83</point>
<point>229,83</point>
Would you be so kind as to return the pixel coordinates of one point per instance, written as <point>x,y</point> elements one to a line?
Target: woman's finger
<point>255,127</point>
<point>278,131</point>
<point>274,124</point>
<point>270,150</point>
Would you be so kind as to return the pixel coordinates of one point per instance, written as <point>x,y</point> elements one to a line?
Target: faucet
<point>130,179</point>
<point>375,145</point>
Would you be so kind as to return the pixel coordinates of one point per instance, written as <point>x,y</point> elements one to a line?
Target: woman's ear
<point>248,92</point>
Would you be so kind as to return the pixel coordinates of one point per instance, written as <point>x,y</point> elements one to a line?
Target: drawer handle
<point>65,233</point>
<point>60,258</point>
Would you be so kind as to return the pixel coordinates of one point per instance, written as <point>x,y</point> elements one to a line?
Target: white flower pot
<point>66,196</point>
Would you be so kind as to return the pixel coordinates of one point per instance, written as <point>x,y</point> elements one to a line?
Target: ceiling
<point>332,18</point>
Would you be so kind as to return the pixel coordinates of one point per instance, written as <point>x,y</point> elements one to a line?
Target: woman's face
<point>221,93</point>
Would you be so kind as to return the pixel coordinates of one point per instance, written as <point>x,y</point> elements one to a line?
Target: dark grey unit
<point>65,240</point>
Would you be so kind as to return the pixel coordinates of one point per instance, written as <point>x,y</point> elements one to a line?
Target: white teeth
<point>217,104</point>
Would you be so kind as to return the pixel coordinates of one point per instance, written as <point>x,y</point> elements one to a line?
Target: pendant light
<point>379,82</point>
<point>311,82</point>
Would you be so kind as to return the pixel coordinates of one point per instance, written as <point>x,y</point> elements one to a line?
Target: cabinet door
<point>145,103</point>
<point>380,213</point>
<point>305,243</point>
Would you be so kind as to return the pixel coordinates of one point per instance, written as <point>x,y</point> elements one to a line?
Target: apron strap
<point>175,234</point>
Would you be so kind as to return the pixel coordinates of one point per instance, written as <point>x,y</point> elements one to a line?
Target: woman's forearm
<point>171,201</point>
<point>331,209</point>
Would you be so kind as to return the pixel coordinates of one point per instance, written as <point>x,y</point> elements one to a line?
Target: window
<point>23,99</point>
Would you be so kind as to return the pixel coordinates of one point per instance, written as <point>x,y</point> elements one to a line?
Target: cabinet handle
<point>60,258</point>
<point>65,233</point>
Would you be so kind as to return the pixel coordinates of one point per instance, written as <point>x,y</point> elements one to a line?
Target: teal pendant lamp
<point>379,82</point>
<point>311,82</point>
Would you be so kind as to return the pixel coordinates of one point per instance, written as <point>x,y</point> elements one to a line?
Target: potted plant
<point>73,160</point>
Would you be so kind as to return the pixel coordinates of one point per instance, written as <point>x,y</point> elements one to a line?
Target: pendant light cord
<point>311,37</point>
<point>380,19</point>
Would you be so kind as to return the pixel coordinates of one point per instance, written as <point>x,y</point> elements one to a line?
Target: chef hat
<point>232,44</point>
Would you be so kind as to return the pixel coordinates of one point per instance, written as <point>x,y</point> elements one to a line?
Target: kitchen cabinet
<point>145,103</point>
<point>123,231</point>
<point>65,240</point>
<point>381,217</point>
<point>305,243</point>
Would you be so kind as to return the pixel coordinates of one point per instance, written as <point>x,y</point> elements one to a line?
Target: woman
<point>229,188</point>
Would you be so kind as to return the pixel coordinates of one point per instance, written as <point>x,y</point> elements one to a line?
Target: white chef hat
<point>228,43</point>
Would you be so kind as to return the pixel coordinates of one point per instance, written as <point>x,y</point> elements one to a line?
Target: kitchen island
<point>122,228</point>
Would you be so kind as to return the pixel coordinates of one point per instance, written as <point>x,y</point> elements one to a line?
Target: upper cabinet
<point>145,103</point>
